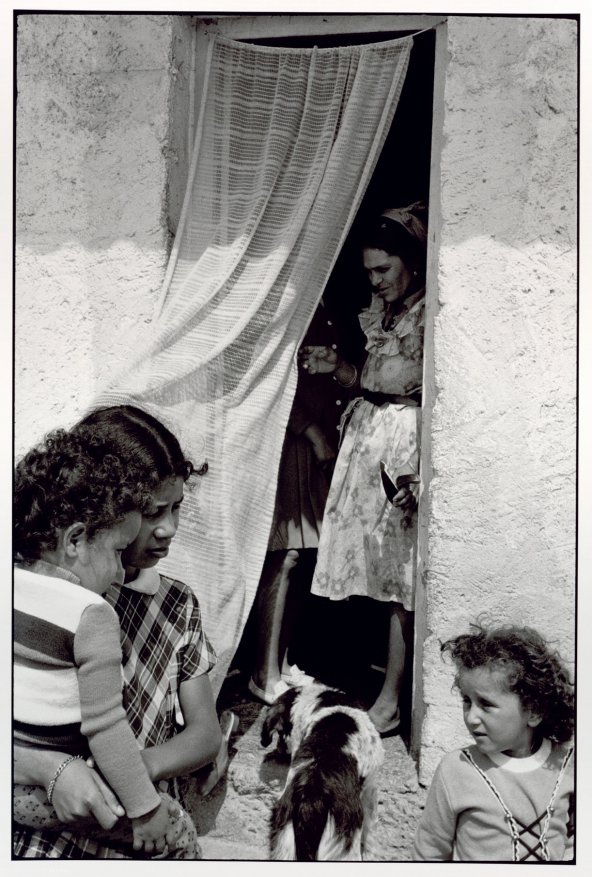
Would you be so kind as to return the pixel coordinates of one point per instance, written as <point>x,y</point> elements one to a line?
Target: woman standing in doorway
<point>368,542</point>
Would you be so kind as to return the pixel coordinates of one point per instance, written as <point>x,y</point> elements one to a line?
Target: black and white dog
<point>328,805</point>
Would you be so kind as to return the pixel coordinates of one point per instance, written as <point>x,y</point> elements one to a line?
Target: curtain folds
<point>285,146</point>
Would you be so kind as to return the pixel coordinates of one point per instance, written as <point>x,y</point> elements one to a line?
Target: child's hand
<point>154,831</point>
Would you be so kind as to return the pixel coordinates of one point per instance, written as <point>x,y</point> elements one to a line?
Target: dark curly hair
<point>534,672</point>
<point>143,440</point>
<point>72,477</point>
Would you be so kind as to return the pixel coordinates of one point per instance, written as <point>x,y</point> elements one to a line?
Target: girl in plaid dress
<point>76,508</point>
<point>166,659</point>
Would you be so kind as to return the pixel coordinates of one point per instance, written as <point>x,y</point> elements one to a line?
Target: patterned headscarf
<point>413,218</point>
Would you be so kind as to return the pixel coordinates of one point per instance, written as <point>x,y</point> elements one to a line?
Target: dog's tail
<point>320,813</point>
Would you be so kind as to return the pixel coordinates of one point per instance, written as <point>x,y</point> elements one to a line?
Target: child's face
<point>98,563</point>
<point>493,715</point>
<point>157,528</point>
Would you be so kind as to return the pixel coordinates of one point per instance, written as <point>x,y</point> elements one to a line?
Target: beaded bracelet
<point>58,773</point>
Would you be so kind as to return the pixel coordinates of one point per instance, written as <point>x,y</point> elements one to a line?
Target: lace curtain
<point>286,143</point>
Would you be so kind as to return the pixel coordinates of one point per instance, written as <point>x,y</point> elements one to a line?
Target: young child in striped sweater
<point>77,507</point>
<point>508,797</point>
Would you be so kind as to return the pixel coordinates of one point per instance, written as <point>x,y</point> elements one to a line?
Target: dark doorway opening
<point>343,642</point>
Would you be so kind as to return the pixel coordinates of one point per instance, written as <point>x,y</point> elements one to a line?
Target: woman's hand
<point>406,498</point>
<point>318,360</point>
<point>80,793</point>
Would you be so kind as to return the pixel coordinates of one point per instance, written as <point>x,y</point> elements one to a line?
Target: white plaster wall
<point>499,526</point>
<point>101,162</point>
<point>93,149</point>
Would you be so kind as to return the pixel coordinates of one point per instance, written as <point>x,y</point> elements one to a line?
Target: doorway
<point>322,644</point>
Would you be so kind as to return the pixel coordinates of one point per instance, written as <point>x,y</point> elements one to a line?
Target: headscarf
<point>413,218</point>
<point>401,231</point>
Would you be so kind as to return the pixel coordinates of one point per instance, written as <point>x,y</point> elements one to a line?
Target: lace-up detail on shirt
<point>539,852</point>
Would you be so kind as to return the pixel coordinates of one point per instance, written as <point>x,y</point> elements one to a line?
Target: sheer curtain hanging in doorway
<point>286,143</point>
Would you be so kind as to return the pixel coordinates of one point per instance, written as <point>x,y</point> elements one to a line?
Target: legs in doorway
<point>385,711</point>
<point>278,604</point>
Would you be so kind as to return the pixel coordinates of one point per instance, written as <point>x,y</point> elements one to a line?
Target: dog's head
<point>278,719</point>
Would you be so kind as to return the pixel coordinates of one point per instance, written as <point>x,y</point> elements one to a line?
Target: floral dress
<point>368,546</point>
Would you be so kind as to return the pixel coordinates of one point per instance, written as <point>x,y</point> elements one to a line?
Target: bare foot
<point>385,719</point>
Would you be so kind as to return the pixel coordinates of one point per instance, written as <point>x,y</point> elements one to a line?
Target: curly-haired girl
<point>77,507</point>
<point>509,796</point>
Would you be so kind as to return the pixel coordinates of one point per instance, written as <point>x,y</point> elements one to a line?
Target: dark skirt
<point>300,499</point>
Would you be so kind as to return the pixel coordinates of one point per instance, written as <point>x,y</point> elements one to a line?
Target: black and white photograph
<point>296,338</point>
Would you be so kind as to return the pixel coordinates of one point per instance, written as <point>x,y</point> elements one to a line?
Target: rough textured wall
<point>100,173</point>
<point>181,108</point>
<point>500,522</point>
<point>93,149</point>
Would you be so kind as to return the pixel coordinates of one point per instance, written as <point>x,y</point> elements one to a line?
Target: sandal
<point>215,771</point>
<point>268,695</point>
<point>228,725</point>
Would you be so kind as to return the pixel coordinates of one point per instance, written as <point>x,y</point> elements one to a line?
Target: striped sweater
<point>67,680</point>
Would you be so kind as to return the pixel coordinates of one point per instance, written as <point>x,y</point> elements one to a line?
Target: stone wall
<point>499,517</point>
<point>94,149</point>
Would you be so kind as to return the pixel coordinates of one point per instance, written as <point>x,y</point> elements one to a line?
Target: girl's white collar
<point>522,765</point>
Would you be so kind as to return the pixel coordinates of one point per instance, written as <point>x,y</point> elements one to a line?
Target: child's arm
<point>97,653</point>
<point>199,741</point>
<point>434,837</point>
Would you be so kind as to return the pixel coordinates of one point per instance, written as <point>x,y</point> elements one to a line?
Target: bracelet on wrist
<point>59,772</point>
<point>347,384</point>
